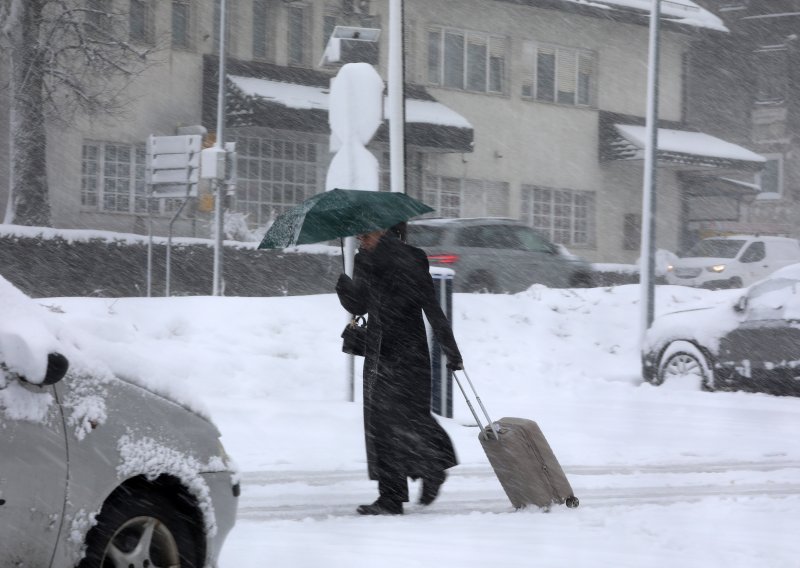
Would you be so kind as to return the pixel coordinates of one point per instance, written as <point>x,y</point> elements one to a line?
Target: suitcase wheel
<point>572,502</point>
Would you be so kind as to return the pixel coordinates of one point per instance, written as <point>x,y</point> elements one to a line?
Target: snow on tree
<point>64,56</point>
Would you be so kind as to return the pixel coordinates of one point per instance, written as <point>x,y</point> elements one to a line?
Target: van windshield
<point>715,248</point>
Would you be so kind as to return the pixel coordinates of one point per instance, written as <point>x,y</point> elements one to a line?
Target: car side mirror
<point>57,366</point>
<point>741,305</point>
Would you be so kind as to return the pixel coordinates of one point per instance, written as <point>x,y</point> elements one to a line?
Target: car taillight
<point>443,258</point>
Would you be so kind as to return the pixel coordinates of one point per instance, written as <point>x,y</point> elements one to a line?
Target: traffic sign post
<point>173,170</point>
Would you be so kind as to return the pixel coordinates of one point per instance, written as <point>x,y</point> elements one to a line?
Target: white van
<point>732,262</point>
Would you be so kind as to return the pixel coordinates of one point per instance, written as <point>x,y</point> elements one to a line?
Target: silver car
<point>96,470</point>
<point>497,255</point>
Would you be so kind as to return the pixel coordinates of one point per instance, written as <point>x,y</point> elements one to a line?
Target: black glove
<point>455,364</point>
<point>343,283</point>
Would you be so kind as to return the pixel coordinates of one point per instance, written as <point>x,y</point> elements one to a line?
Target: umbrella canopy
<point>340,213</point>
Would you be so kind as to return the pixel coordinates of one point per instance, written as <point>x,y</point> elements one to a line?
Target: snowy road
<point>665,515</point>
<point>297,495</point>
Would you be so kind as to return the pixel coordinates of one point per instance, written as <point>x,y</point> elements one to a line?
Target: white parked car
<point>98,470</point>
<point>732,262</point>
<point>751,342</point>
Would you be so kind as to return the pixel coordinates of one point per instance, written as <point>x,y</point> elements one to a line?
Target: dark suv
<point>497,255</point>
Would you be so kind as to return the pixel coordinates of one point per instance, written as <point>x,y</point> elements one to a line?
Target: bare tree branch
<point>66,56</point>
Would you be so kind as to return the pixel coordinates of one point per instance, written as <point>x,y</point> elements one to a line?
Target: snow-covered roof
<point>297,96</point>
<point>683,12</point>
<point>677,142</point>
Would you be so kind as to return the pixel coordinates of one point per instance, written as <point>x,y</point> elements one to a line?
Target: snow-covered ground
<point>667,477</point>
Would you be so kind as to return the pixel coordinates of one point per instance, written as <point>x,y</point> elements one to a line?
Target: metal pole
<point>169,247</point>
<point>149,244</point>
<point>647,268</point>
<point>218,216</point>
<point>397,166</point>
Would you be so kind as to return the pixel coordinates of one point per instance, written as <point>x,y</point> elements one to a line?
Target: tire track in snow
<point>323,477</point>
<point>319,495</point>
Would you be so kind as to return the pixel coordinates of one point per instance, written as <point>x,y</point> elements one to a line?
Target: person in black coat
<point>392,284</point>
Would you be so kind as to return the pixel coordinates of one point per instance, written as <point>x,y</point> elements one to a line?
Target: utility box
<point>212,163</point>
<point>441,376</point>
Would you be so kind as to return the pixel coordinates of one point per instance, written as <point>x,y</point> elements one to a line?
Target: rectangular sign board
<point>173,165</point>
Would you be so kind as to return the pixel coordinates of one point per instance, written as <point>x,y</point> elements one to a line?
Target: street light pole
<point>647,268</point>
<point>220,144</point>
<point>397,166</point>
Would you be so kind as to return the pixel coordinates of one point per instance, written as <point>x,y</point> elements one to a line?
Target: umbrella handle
<point>341,244</point>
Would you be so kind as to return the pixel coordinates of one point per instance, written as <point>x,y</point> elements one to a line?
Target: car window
<point>716,248</point>
<point>424,235</point>
<point>487,236</point>
<point>754,253</point>
<point>532,241</point>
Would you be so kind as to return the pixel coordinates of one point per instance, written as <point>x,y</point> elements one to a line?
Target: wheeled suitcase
<point>522,459</point>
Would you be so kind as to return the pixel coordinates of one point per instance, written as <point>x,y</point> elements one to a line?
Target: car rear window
<point>716,248</point>
<point>424,235</point>
<point>488,236</point>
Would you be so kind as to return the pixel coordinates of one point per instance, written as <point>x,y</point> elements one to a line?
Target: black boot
<point>430,488</point>
<point>381,507</point>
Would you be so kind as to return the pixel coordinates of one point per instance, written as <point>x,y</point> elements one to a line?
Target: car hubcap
<point>142,542</point>
<point>684,369</point>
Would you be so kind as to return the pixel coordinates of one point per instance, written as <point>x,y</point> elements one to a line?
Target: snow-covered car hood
<point>703,325</point>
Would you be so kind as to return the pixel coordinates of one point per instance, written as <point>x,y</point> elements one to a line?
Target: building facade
<point>743,87</point>
<point>531,109</point>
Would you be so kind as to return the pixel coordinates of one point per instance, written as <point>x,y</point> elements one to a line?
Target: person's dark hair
<point>400,230</point>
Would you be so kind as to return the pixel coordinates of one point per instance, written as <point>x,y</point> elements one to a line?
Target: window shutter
<point>567,76</point>
<point>528,68</point>
<point>497,64</point>
<point>434,56</point>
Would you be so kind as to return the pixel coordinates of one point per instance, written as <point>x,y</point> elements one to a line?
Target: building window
<point>770,179</point>
<point>469,61</point>
<point>772,72</point>
<point>181,20</point>
<point>297,35</point>
<point>113,177</point>
<point>140,25</point>
<point>260,19</point>
<point>274,174</point>
<point>564,215</point>
<point>632,231</point>
<point>558,75</point>
<point>457,197</point>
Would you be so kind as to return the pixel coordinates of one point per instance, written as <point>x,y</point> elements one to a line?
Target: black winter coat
<point>392,284</point>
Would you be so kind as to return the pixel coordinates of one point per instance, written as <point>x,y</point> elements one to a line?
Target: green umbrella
<point>340,213</point>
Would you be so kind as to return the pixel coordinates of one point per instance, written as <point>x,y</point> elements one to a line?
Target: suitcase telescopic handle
<point>492,425</point>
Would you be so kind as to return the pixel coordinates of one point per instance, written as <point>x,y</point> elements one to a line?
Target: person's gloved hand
<point>343,283</point>
<point>455,363</point>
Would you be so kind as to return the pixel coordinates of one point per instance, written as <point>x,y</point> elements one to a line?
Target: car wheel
<point>142,529</point>
<point>736,282</point>
<point>480,282</point>
<point>683,363</point>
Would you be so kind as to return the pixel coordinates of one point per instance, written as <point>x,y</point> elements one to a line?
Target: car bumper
<point>711,284</point>
<point>224,491</point>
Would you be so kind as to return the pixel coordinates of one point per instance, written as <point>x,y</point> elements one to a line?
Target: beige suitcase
<point>522,459</point>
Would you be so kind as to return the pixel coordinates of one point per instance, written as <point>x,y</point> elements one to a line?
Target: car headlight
<point>716,268</point>
<point>670,268</point>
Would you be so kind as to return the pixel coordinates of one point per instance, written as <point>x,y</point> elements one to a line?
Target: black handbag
<point>354,337</point>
